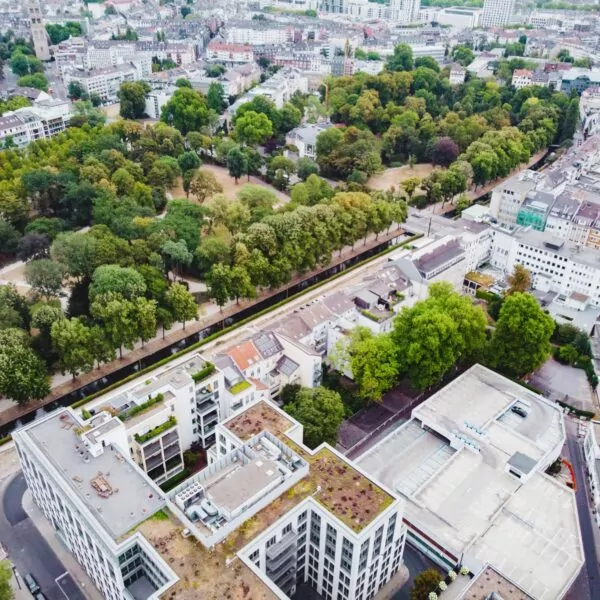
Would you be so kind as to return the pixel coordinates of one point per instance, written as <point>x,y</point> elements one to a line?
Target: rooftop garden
<point>378,318</point>
<point>168,424</point>
<point>480,278</point>
<point>256,419</point>
<point>203,373</point>
<point>142,408</point>
<point>239,387</point>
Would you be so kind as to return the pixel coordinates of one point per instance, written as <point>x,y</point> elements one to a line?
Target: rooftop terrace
<point>257,418</point>
<point>96,480</point>
<point>488,582</point>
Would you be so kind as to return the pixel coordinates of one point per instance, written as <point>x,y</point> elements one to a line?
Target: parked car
<point>40,596</point>
<point>519,411</point>
<point>32,584</point>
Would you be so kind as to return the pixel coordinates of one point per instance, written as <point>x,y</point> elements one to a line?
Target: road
<point>587,585</point>
<point>27,548</point>
<point>416,563</point>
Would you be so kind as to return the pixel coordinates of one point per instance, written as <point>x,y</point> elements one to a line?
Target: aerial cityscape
<point>299,299</point>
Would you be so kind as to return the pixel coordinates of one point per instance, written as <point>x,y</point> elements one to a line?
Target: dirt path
<point>393,177</point>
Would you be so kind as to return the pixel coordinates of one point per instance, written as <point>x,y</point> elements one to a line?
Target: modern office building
<point>497,12</point>
<point>591,451</point>
<point>471,464</point>
<point>81,477</point>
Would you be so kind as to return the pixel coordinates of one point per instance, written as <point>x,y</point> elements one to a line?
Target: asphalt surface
<point>416,563</point>
<point>28,549</point>
<point>587,585</point>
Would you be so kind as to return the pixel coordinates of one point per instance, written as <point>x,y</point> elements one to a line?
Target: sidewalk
<point>80,577</point>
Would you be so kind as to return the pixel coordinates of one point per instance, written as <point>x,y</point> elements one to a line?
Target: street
<point>587,585</point>
<point>27,548</point>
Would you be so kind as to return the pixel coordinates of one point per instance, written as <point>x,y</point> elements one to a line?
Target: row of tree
<point>444,331</point>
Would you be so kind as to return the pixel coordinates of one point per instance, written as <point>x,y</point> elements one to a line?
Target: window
<point>271,541</point>
<point>286,529</point>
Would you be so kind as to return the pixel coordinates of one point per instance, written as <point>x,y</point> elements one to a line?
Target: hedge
<point>203,373</point>
<point>5,439</point>
<point>169,484</point>
<point>140,408</point>
<point>239,324</point>
<point>487,296</point>
<point>585,414</point>
<point>170,422</point>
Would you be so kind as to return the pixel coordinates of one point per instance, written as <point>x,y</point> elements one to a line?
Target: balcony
<point>287,541</point>
<point>204,394</point>
<point>154,462</point>
<point>210,418</point>
<point>169,438</point>
<point>151,449</point>
<point>286,581</point>
<point>283,562</point>
<point>206,406</point>
<point>172,451</point>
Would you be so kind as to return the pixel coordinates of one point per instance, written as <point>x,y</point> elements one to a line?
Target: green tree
<point>188,161</point>
<point>145,313</point>
<point>410,185</point>
<point>118,319</point>
<point>215,98</point>
<point>240,284</point>
<point>9,238</point>
<point>570,121</point>
<point>45,276</point>
<point>253,128</point>
<point>521,340</point>
<point>187,110</point>
<point>183,82</point>
<point>433,335</point>
<point>237,163</point>
<point>22,65</point>
<point>6,591</point>
<point>176,255</point>
<point>36,81</point>
<point>305,167</point>
<point>425,582</point>
<point>132,99</point>
<point>373,360</point>
<point>125,281</point>
<point>218,280</point>
<point>463,55</point>
<point>401,59</point>
<point>181,303</point>
<point>321,412</point>
<point>71,341</point>
<point>23,374</point>
<point>76,91</point>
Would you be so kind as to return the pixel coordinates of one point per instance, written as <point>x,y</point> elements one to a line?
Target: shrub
<point>203,373</point>
<point>175,480</point>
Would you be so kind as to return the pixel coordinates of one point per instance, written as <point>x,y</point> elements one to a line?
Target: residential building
<point>105,82</point>
<point>346,540</point>
<point>40,121</point>
<point>229,53</point>
<point>497,12</point>
<point>458,74</point>
<point>38,30</point>
<point>470,464</point>
<point>80,475</point>
<point>157,98</point>
<point>458,17</point>
<point>304,138</point>
<point>591,451</point>
<point>173,409</point>
<point>579,80</point>
<point>522,78</point>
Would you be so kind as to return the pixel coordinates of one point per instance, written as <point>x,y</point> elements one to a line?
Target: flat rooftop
<point>462,496</point>
<point>97,481</point>
<point>257,418</point>
<point>489,581</point>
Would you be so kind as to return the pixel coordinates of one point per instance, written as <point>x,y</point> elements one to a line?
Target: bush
<point>203,373</point>
<point>175,480</point>
<point>567,355</point>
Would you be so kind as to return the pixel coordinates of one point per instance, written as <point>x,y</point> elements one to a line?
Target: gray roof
<point>441,255</point>
<point>338,303</point>
<point>114,491</point>
<point>267,344</point>
<point>231,373</point>
<point>522,462</point>
<point>286,365</point>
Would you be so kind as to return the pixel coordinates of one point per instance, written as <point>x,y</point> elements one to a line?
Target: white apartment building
<point>508,197</point>
<point>165,413</point>
<point>397,11</point>
<point>522,78</point>
<point>105,82</point>
<point>81,477</point>
<point>345,538</point>
<point>458,74</point>
<point>156,99</point>
<point>472,473</point>
<point>497,12</point>
<point>591,451</point>
<point>40,121</point>
<point>304,137</point>
<point>257,33</point>
<point>569,270</point>
<point>458,17</point>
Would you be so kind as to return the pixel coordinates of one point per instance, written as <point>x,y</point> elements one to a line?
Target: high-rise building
<point>404,11</point>
<point>497,12</point>
<point>38,31</point>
